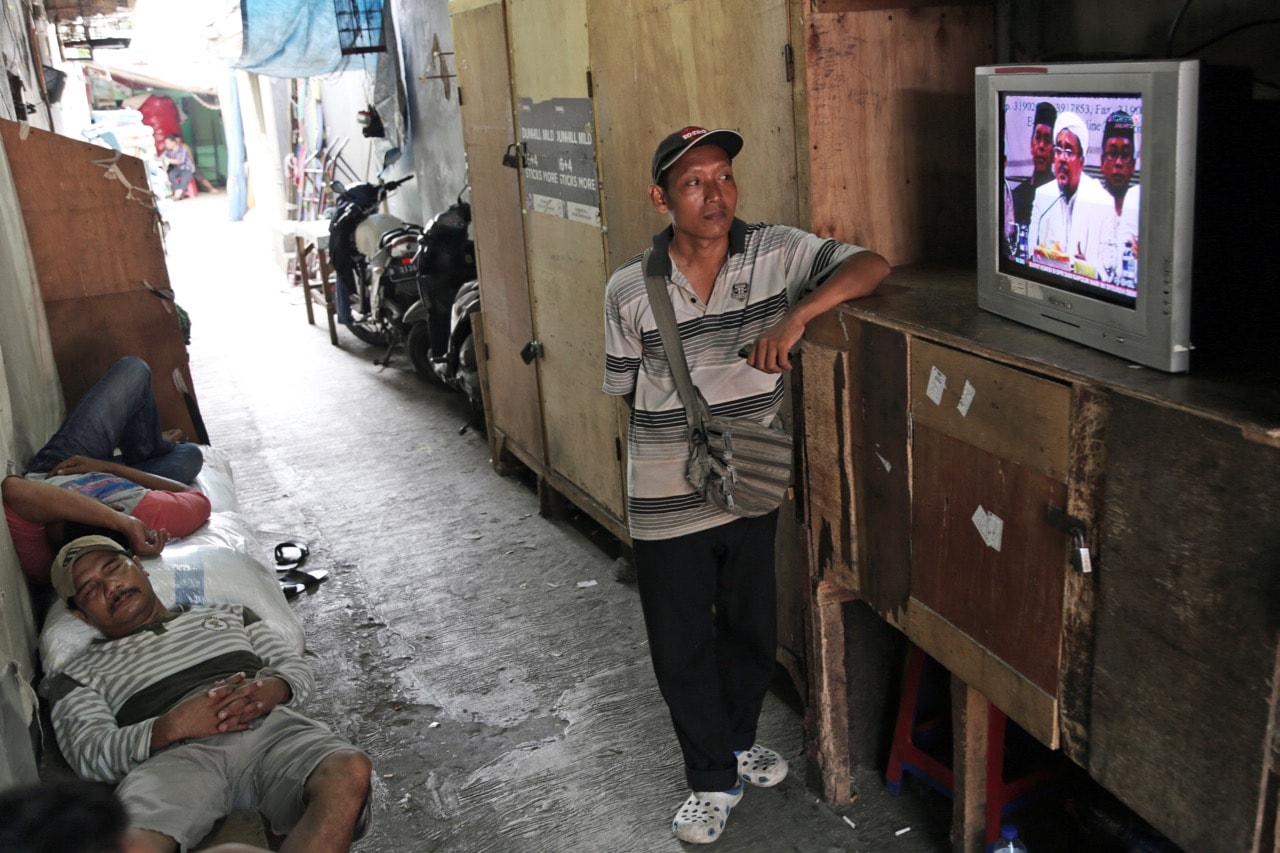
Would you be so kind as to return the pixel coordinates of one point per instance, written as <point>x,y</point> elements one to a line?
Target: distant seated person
<point>77,478</point>
<point>75,816</point>
<point>187,709</point>
<point>182,167</point>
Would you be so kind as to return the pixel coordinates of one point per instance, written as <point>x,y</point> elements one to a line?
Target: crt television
<point>1056,250</point>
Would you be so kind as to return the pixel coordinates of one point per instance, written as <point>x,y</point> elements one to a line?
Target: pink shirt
<point>181,513</point>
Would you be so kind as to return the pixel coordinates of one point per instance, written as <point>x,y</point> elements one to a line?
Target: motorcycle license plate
<point>403,271</point>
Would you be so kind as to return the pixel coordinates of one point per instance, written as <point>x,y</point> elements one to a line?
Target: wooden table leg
<point>304,276</point>
<point>969,713</point>
<point>327,283</point>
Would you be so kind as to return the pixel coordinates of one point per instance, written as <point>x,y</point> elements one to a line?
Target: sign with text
<point>560,159</point>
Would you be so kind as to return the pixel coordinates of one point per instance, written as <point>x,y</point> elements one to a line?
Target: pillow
<point>215,480</point>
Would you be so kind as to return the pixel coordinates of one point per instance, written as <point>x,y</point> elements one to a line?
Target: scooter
<point>374,256</point>
<point>439,342</point>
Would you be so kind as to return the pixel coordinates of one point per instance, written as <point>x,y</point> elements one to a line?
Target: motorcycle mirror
<point>389,159</point>
<point>337,186</point>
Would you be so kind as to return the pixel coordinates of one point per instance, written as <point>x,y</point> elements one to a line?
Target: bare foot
<point>174,435</point>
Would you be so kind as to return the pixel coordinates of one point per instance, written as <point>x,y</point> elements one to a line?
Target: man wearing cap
<point>1041,162</point>
<point>188,709</point>
<point>1119,159</point>
<point>706,578</point>
<point>1061,217</point>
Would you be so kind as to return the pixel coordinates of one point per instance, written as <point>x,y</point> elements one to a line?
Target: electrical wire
<point>1173,28</point>
<point>1222,35</point>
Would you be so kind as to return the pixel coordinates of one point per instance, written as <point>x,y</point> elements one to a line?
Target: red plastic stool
<point>911,753</point>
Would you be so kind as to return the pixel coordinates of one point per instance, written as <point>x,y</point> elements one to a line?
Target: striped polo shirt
<point>758,283</point>
<point>106,701</point>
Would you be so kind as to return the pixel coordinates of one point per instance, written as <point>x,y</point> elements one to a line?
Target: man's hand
<point>250,700</point>
<point>771,353</point>
<point>858,276</point>
<point>197,717</point>
<point>229,705</point>
<point>83,465</point>
<point>144,541</point>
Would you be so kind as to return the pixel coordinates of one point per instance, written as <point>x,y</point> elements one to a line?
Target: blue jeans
<point>119,411</point>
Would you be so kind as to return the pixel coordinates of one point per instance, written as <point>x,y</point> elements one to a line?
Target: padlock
<point>512,158</point>
<point>1080,557</point>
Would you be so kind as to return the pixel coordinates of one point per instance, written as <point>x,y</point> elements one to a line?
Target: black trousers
<point>710,609</point>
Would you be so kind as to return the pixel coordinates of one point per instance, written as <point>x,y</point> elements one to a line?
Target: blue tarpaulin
<point>290,38</point>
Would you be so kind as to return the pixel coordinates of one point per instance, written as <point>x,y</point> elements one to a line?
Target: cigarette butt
<point>852,825</point>
<point>903,831</point>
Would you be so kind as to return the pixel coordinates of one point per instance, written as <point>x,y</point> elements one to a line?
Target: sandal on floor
<point>761,766</point>
<point>291,555</point>
<point>309,578</point>
<point>702,818</point>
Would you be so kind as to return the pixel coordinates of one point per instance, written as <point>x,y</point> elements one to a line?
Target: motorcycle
<point>439,341</point>
<point>373,254</point>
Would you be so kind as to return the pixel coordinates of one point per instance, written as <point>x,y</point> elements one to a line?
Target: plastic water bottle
<point>1009,842</point>
<point>1128,267</point>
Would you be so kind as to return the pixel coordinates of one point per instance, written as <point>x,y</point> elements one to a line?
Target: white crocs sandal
<point>761,766</point>
<point>702,817</point>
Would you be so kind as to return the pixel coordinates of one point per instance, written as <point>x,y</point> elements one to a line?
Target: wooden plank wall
<point>891,127</point>
<point>96,244</point>
<point>1188,596</point>
<point>662,65</point>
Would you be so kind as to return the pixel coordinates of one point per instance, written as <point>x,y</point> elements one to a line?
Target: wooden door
<point>565,252</point>
<point>488,129</point>
<point>989,455</point>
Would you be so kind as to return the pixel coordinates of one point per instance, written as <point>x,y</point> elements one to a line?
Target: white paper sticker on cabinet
<point>990,527</point>
<point>966,398</point>
<point>937,384</point>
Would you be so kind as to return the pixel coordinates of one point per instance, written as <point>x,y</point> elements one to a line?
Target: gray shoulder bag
<point>738,464</point>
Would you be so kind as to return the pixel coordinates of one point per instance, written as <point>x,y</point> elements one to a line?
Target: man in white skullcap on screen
<point>1059,230</point>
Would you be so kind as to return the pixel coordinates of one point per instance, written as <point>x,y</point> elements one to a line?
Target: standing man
<point>1041,162</point>
<point>1063,210</point>
<point>706,578</point>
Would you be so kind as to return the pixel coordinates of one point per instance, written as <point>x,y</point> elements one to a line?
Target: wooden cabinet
<point>937,439</point>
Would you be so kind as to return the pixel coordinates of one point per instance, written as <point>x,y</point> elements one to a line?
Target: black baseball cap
<point>673,147</point>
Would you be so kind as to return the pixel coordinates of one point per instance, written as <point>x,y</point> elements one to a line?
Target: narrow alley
<point>485,657</point>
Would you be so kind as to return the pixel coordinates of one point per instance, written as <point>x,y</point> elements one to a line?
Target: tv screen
<point>1071,190</point>
<point>1086,202</point>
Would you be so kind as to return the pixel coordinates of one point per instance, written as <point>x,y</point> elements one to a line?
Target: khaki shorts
<point>183,790</point>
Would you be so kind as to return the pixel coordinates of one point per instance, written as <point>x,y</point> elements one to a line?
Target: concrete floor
<point>507,702</point>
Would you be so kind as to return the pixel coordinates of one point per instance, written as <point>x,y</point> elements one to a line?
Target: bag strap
<point>664,315</point>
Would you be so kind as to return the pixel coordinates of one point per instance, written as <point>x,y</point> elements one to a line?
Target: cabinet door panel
<point>1001,585</point>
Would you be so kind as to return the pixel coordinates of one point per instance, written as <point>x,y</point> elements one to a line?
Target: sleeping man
<point>190,710</point>
<point>111,467</point>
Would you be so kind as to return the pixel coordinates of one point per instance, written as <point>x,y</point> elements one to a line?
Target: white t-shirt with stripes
<point>758,283</point>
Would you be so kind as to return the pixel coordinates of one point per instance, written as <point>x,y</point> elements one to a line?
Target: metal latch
<point>531,350</point>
